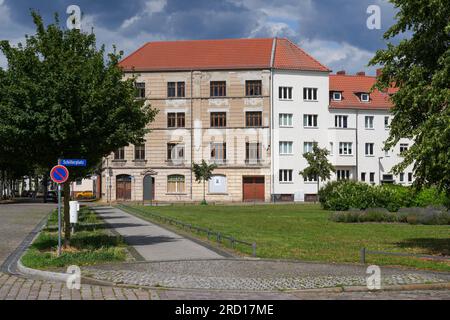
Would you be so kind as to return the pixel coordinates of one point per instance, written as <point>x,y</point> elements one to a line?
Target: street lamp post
<point>379,169</point>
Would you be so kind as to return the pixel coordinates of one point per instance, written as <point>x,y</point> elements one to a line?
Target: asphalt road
<point>17,220</point>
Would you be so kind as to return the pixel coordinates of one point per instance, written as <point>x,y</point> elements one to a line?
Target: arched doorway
<point>149,188</point>
<point>123,187</point>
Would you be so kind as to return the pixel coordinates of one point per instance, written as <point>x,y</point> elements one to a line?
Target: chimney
<point>361,73</point>
<point>379,71</point>
<point>341,73</point>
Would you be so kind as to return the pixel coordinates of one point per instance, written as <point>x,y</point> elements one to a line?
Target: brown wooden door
<point>123,187</point>
<point>253,188</point>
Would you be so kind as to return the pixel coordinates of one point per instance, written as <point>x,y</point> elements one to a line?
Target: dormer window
<point>365,97</point>
<point>337,96</point>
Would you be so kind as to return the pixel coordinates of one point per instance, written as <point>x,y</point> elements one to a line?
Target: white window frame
<point>369,149</point>
<point>285,120</point>
<point>345,148</point>
<point>386,122</point>
<point>368,122</point>
<point>308,146</point>
<point>285,93</point>
<point>286,147</point>
<point>404,146</point>
<point>339,94</point>
<point>365,95</point>
<point>343,174</point>
<point>285,175</point>
<point>310,121</point>
<point>310,94</point>
<point>339,121</point>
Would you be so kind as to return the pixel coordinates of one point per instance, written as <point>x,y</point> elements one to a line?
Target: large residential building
<point>253,107</point>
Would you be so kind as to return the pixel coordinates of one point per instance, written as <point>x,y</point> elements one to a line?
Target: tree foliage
<point>62,97</point>
<point>203,172</point>
<point>318,164</point>
<point>419,66</point>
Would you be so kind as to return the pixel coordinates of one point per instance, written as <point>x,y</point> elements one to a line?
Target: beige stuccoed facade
<point>124,176</point>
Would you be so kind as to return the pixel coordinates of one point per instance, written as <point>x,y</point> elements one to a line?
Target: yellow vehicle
<point>85,195</point>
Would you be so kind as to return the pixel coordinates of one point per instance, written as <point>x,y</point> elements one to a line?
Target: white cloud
<point>339,55</point>
<point>155,6</point>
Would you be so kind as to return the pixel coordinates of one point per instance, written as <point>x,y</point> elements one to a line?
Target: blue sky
<point>333,31</point>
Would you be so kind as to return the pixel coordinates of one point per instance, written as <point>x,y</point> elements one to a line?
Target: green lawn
<point>303,232</point>
<point>89,245</point>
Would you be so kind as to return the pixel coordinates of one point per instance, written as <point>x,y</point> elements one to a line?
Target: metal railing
<point>211,235</point>
<point>364,252</point>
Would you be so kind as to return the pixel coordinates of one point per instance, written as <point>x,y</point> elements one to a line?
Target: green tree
<point>318,165</point>
<point>419,66</point>
<point>203,172</point>
<point>65,98</point>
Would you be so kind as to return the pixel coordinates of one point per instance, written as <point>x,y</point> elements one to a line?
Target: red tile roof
<point>350,85</point>
<point>289,56</point>
<point>226,54</point>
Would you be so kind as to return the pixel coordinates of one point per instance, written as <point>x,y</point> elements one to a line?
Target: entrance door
<point>253,188</point>
<point>123,187</point>
<point>149,188</point>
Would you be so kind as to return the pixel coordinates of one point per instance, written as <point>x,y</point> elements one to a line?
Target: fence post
<point>362,255</point>
<point>254,249</point>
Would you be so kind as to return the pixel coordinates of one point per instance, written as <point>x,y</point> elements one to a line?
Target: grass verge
<point>304,232</point>
<point>91,244</point>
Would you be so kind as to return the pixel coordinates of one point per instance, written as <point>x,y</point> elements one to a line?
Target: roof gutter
<point>272,175</point>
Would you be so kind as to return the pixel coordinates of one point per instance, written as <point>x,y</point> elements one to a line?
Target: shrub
<point>343,195</point>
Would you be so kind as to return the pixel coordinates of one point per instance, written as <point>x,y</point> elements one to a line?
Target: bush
<point>343,195</point>
<point>428,216</point>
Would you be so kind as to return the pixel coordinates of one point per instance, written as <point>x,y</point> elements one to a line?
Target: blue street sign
<point>73,162</point>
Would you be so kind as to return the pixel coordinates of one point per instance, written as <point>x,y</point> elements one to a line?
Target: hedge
<point>345,195</point>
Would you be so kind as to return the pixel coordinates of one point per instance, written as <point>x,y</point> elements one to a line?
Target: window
<point>331,148</point>
<point>386,153</point>
<point>140,90</point>
<point>139,152</point>
<point>253,119</point>
<point>402,177</point>
<point>363,176</point>
<point>372,177</point>
<point>175,151</point>
<point>119,154</point>
<point>285,119</point>
<point>340,121</point>
<point>175,120</point>
<point>285,175</point>
<point>218,184</point>
<point>308,146</point>
<point>219,152</point>
<point>175,89</point>
<point>286,147</point>
<point>345,148</point>
<point>218,119</point>
<point>310,120</point>
<point>386,122</point>
<point>253,152</point>
<point>365,97</point>
<point>79,182</point>
<point>310,179</point>
<point>253,87</point>
<point>369,122</point>
<point>337,96</point>
<point>403,147</point>
<point>410,176</point>
<point>285,93</point>
<point>343,174</point>
<point>369,149</point>
<point>175,184</point>
<point>218,88</point>
<point>310,94</point>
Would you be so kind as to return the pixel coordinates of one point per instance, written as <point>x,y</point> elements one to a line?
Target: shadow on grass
<point>80,241</point>
<point>431,245</point>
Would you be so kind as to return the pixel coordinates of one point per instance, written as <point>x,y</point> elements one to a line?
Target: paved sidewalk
<point>152,242</point>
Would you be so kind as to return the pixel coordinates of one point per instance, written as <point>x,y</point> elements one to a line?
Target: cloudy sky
<point>333,31</point>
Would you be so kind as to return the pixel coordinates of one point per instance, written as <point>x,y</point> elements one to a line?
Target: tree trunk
<point>45,183</point>
<point>318,187</point>
<point>66,213</point>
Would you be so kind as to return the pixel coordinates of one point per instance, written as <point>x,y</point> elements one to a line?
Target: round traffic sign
<point>59,174</point>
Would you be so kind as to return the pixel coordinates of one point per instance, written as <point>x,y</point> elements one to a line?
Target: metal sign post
<point>59,174</point>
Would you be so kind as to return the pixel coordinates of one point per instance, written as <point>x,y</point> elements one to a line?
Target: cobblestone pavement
<point>17,288</point>
<point>256,275</point>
